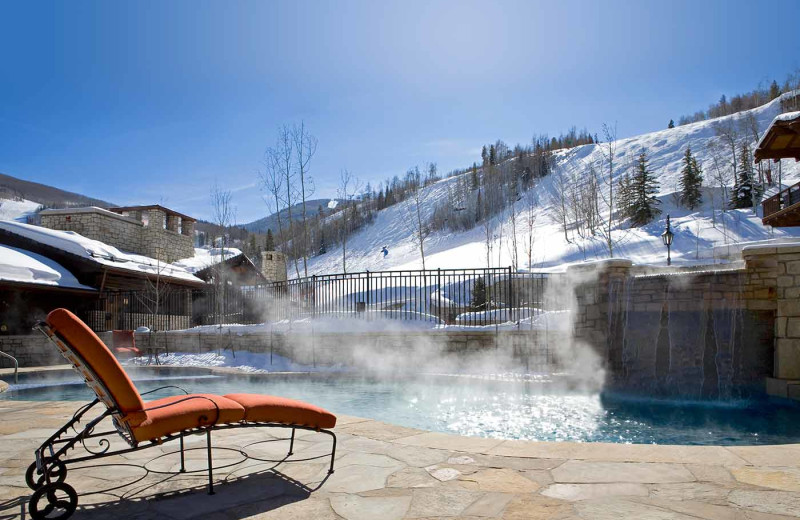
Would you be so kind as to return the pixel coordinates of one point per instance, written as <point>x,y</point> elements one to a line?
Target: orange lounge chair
<point>143,424</point>
<point>124,342</point>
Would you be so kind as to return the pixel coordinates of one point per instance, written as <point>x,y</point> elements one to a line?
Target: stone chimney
<point>273,266</point>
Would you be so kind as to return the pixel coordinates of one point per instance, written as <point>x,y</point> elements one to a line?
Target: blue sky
<point>146,102</point>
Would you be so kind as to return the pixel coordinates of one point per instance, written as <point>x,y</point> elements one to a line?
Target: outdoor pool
<point>479,407</point>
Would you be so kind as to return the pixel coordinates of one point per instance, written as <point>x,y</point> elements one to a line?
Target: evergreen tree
<point>744,188</point>
<point>270,244</point>
<point>774,90</point>
<point>644,203</point>
<point>625,196</point>
<point>323,248</point>
<point>691,181</point>
<point>671,124</point>
<point>474,177</point>
<point>479,297</point>
<point>492,155</point>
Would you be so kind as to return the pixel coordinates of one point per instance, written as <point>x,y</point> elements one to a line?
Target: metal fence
<point>467,297</point>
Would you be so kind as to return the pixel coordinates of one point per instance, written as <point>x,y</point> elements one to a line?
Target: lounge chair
<point>124,343</point>
<point>143,424</point>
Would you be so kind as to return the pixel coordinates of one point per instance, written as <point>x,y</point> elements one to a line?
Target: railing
<point>463,297</point>
<point>781,200</point>
<point>16,365</point>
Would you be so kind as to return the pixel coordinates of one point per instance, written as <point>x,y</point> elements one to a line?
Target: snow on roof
<point>788,116</point>
<point>206,257</point>
<point>97,251</point>
<point>19,265</point>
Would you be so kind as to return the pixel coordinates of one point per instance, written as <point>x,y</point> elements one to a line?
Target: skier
<point>384,251</point>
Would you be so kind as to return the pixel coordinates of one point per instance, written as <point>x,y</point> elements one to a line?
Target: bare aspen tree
<point>305,146</point>
<point>608,149</point>
<point>727,133</point>
<point>561,206</point>
<point>285,155</point>
<point>419,228</point>
<point>531,207</point>
<point>224,215</point>
<point>271,180</point>
<point>347,190</point>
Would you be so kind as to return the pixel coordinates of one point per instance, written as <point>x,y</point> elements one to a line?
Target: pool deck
<point>387,472</point>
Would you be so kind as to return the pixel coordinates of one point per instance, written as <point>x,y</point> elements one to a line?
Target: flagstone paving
<point>388,472</point>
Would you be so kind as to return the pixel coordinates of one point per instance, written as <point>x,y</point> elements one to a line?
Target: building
<point>781,141</point>
<point>153,231</point>
<point>273,266</point>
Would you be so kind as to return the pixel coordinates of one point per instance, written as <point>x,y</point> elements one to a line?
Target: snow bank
<point>19,265</point>
<point>243,361</point>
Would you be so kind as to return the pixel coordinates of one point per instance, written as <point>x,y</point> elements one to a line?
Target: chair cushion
<point>184,412</point>
<point>268,408</point>
<point>83,341</point>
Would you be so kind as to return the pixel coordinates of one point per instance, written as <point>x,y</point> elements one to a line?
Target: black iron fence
<point>466,297</point>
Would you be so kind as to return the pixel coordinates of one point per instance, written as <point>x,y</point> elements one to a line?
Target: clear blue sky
<point>142,102</point>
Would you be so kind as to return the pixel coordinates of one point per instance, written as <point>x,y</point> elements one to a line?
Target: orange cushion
<point>189,411</point>
<point>268,408</point>
<point>82,340</point>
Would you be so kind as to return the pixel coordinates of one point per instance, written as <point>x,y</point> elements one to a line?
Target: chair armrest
<point>189,398</point>
<point>162,388</point>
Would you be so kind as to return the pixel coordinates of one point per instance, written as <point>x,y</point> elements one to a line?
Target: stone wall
<point>161,238</point>
<point>30,350</point>
<point>688,333</point>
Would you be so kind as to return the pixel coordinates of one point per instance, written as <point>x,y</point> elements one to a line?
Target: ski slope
<point>17,210</point>
<point>701,236</point>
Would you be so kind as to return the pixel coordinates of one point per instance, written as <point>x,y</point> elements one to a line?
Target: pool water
<point>486,408</point>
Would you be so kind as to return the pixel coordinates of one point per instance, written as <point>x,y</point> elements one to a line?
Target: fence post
<point>510,299</point>
<point>313,296</point>
<point>368,289</point>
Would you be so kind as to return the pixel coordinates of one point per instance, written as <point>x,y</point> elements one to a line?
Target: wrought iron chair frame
<point>50,463</point>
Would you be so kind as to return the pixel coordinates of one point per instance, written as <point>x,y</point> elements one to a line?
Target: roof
<point>781,140</point>
<point>96,252</point>
<point>168,211</point>
<point>240,260</point>
<point>23,267</point>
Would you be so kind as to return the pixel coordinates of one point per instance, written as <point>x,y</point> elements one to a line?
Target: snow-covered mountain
<point>701,236</point>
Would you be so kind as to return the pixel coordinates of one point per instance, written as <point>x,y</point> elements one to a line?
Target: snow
<point>17,209</point>
<point>788,116</point>
<point>243,361</point>
<point>700,235</point>
<point>97,251</point>
<point>206,257</point>
<point>333,203</point>
<point>19,265</point>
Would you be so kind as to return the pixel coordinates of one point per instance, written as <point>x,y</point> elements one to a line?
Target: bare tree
<point>224,215</point>
<point>271,180</point>
<point>418,194</point>
<point>608,149</point>
<point>728,134</point>
<point>349,186</point>
<point>531,207</point>
<point>285,159</point>
<point>305,146</point>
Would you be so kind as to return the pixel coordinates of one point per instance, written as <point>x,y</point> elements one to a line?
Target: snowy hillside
<point>17,210</point>
<point>697,233</point>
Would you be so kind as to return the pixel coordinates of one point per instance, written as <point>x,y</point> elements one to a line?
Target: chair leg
<point>333,452</point>
<point>210,470</point>
<point>183,466</point>
<point>291,444</point>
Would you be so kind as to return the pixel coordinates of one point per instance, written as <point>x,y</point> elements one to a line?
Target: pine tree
<point>479,298</point>
<point>624,196</point>
<point>774,90</point>
<point>744,188</point>
<point>270,244</point>
<point>474,177</point>
<point>691,181</point>
<point>671,124</point>
<point>323,248</point>
<point>644,203</point>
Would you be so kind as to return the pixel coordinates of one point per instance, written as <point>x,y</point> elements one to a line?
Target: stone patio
<point>388,472</point>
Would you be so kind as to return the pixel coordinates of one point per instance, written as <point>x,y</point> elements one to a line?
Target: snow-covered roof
<point>96,251</point>
<point>206,257</point>
<point>21,266</point>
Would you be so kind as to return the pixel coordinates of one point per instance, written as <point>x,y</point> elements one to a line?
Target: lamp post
<point>667,237</point>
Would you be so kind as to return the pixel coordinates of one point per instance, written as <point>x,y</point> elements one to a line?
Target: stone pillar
<point>173,223</point>
<point>155,218</point>
<point>273,266</point>
<point>774,279</point>
<point>187,228</point>
<point>598,289</point>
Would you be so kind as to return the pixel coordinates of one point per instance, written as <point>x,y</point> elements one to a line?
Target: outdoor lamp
<point>667,237</point>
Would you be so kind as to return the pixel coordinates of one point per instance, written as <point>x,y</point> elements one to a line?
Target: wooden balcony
<point>783,208</point>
